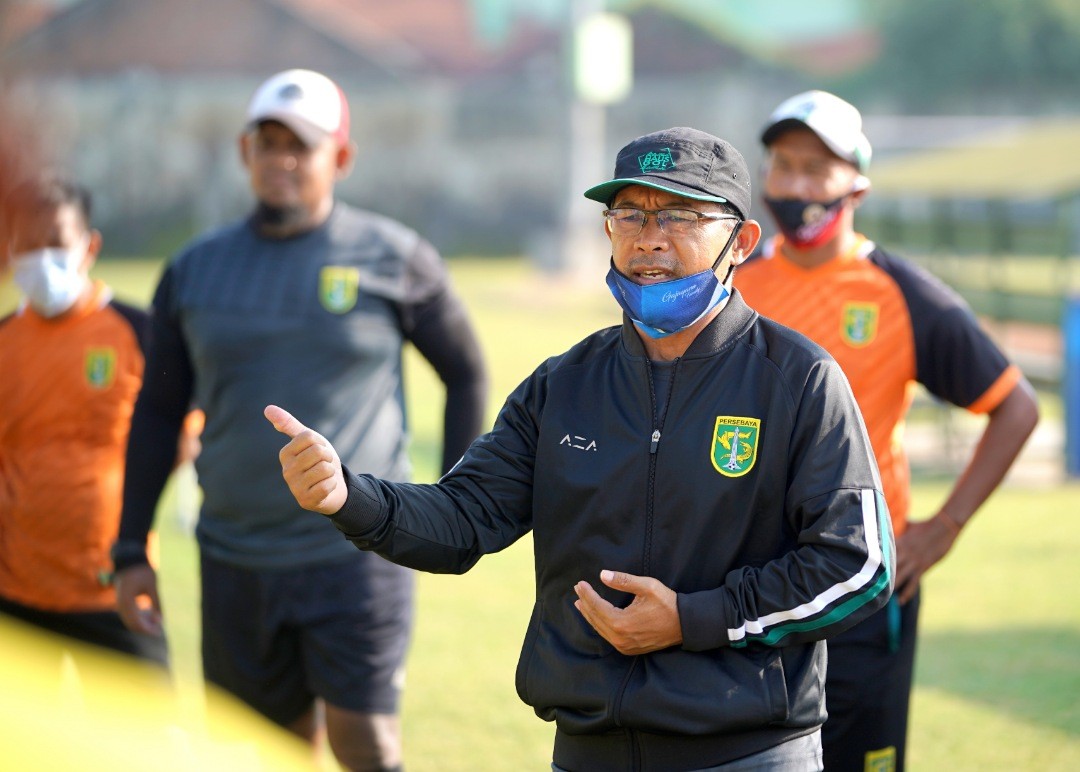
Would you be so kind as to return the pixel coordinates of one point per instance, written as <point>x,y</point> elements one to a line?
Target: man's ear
<point>746,241</point>
<point>244,146</point>
<point>93,249</point>
<point>344,159</point>
<point>860,190</point>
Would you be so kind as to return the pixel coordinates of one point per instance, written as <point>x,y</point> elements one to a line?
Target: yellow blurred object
<point>65,706</point>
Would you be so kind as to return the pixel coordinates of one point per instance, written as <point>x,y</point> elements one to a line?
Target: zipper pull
<point>655,441</point>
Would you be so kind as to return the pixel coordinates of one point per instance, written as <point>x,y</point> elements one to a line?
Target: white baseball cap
<point>307,102</point>
<point>837,123</point>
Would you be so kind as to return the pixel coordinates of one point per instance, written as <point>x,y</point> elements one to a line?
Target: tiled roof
<point>397,36</point>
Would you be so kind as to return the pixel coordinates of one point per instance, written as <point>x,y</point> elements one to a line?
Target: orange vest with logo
<point>68,388</point>
<point>889,325</point>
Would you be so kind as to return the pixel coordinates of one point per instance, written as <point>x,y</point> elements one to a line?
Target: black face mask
<point>806,224</point>
<point>278,216</point>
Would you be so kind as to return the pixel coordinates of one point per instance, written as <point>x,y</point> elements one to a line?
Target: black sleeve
<point>163,401</point>
<point>137,318</point>
<point>483,506</point>
<point>954,357</point>
<point>434,318</point>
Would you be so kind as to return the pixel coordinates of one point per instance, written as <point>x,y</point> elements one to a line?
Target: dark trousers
<point>868,689</point>
<point>100,628</point>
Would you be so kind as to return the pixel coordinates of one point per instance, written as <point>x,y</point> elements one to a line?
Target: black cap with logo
<point>683,161</point>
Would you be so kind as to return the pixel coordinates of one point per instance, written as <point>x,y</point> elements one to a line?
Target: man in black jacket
<point>708,466</point>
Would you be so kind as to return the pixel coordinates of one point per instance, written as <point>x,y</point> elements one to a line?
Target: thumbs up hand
<point>309,464</point>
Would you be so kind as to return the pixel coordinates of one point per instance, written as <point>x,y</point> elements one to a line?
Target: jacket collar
<point>718,335</point>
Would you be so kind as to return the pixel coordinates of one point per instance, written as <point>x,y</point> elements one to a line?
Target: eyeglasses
<point>626,221</point>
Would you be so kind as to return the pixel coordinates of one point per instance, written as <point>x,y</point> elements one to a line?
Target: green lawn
<point>998,671</point>
<point>998,674</point>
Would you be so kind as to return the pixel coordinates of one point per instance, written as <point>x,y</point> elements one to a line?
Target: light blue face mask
<point>663,309</point>
<point>51,278</point>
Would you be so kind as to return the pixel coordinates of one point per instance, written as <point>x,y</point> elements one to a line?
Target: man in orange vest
<point>72,367</point>
<point>889,325</point>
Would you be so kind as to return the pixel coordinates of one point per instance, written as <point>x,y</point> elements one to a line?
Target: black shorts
<point>101,628</point>
<point>867,691</point>
<point>279,639</point>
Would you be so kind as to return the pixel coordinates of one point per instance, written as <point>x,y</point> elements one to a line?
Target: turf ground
<point>998,671</point>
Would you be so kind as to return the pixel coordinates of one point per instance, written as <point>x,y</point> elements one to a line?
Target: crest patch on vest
<point>99,367</point>
<point>735,444</point>
<point>859,323</point>
<point>338,288</point>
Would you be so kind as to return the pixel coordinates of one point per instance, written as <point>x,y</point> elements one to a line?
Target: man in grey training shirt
<point>306,302</point>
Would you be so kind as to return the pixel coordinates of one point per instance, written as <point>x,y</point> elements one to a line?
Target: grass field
<point>998,672</point>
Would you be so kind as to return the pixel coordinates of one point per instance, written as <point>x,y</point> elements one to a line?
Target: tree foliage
<point>976,55</point>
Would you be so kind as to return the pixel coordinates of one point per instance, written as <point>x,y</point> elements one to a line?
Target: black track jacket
<point>757,501</point>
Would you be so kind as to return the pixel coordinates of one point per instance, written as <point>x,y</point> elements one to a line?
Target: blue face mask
<point>662,309</point>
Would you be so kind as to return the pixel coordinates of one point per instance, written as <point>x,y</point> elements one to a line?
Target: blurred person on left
<point>72,367</point>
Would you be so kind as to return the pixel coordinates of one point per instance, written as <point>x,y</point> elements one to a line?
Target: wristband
<point>126,553</point>
<point>953,525</point>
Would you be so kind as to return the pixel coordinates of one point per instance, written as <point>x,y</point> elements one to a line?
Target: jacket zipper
<point>654,443</point>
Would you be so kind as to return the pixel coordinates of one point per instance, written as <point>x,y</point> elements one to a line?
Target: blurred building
<point>460,106</point>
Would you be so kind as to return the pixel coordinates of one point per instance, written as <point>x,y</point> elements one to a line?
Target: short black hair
<point>730,209</point>
<point>48,191</point>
